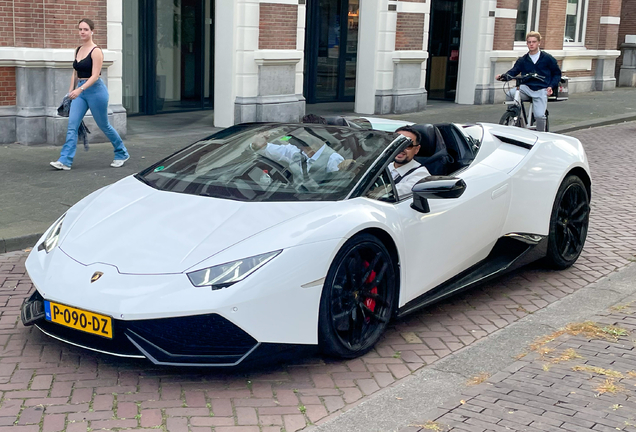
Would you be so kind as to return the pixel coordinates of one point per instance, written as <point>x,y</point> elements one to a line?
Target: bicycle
<point>516,114</point>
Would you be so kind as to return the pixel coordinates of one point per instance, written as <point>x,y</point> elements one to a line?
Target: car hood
<point>141,230</point>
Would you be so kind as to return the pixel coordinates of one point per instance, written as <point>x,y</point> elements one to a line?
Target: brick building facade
<point>263,60</point>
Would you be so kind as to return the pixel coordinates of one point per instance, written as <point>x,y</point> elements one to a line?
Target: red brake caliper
<point>370,303</point>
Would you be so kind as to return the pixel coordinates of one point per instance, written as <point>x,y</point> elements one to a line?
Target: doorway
<point>331,50</point>
<point>443,49</point>
<point>168,55</point>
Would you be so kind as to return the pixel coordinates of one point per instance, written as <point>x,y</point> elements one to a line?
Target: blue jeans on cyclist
<point>539,103</point>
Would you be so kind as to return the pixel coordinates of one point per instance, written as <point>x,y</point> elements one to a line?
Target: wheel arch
<point>585,178</point>
<point>391,246</point>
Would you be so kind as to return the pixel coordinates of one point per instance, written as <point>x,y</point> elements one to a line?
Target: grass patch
<point>609,386</point>
<point>478,379</point>
<point>588,329</point>
<point>621,307</point>
<point>567,355</point>
<point>430,425</point>
<point>598,371</point>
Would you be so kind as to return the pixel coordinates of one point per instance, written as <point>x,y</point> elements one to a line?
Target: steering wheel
<point>285,172</point>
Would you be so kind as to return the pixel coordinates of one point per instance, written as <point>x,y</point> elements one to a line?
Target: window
<point>575,18</point>
<point>382,188</point>
<point>527,18</point>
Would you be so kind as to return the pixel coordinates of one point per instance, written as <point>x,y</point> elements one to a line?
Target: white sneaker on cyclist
<point>118,163</point>
<point>60,166</point>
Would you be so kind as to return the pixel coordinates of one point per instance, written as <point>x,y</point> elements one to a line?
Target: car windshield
<point>293,162</point>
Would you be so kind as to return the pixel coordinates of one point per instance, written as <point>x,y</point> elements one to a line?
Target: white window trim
<point>581,21</point>
<point>530,25</point>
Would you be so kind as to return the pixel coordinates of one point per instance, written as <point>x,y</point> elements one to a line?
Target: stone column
<point>400,55</point>
<point>269,64</point>
<point>608,40</point>
<point>627,74</point>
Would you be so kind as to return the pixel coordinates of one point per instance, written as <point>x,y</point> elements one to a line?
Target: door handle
<point>499,191</point>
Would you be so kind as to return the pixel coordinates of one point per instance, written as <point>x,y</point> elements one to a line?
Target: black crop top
<point>84,67</point>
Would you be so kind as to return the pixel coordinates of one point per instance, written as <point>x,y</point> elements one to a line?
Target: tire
<point>547,121</point>
<point>358,298</point>
<point>568,223</point>
<point>508,119</point>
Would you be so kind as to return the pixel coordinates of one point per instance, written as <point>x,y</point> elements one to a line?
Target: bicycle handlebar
<point>521,77</point>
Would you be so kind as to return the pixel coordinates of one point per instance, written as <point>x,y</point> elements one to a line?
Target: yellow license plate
<point>89,322</point>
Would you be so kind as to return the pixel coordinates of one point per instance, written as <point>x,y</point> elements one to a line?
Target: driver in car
<point>307,153</point>
<point>405,170</point>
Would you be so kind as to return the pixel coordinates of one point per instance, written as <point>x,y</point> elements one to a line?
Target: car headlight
<point>53,236</point>
<point>224,275</point>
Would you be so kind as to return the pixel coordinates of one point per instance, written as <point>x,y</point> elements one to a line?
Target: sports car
<point>234,246</point>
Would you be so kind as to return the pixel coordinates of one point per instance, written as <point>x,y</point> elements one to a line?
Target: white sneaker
<point>60,166</point>
<point>118,163</point>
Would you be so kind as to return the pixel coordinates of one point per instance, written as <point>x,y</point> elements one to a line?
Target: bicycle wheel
<point>509,119</point>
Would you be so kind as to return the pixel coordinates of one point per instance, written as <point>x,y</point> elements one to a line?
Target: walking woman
<point>87,90</point>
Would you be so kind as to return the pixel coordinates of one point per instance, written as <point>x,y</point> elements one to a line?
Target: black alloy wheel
<point>357,299</point>
<point>568,223</point>
<point>509,119</point>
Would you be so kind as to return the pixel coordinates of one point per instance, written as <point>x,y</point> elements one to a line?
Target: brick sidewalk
<point>48,386</point>
<point>574,383</point>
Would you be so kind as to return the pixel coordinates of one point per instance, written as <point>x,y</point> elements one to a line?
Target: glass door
<point>443,60</point>
<point>331,50</point>
<point>168,55</point>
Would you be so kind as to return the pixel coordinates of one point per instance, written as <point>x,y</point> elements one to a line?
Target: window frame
<point>532,24</point>
<point>581,24</point>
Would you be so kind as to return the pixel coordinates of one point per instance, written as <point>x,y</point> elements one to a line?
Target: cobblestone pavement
<point>581,382</point>
<point>48,386</point>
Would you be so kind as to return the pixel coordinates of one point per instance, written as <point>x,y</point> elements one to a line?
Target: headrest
<point>428,146</point>
<point>336,121</point>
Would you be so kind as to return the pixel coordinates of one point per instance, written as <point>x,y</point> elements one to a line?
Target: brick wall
<point>7,86</point>
<point>49,23</point>
<point>552,24</point>
<point>6,23</point>
<point>627,27</point>
<point>593,29</point>
<point>409,33</point>
<point>277,26</point>
<point>602,36</point>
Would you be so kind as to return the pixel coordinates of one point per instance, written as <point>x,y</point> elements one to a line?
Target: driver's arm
<point>334,162</point>
<point>279,153</point>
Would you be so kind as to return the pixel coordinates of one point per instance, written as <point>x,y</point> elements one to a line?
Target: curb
<point>18,243</point>
<point>588,125</point>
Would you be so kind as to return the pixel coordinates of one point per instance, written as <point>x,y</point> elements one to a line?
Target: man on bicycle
<point>538,89</point>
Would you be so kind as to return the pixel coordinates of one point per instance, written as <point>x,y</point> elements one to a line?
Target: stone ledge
<point>19,243</point>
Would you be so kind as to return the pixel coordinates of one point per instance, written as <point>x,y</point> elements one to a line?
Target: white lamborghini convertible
<point>226,250</point>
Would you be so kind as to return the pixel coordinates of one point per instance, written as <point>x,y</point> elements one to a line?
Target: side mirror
<point>436,187</point>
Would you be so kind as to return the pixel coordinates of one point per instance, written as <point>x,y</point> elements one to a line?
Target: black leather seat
<point>433,154</point>
<point>336,121</point>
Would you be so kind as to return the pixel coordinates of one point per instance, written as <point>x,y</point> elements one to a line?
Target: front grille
<point>200,339</point>
<point>198,335</point>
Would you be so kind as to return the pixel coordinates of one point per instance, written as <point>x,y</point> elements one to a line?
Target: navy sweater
<point>546,66</point>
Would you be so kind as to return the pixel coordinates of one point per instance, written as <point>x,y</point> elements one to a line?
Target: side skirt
<point>510,252</point>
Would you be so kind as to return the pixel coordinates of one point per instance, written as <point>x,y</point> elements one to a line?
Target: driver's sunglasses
<point>411,145</point>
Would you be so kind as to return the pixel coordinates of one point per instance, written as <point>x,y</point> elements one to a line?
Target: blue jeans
<point>94,97</point>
